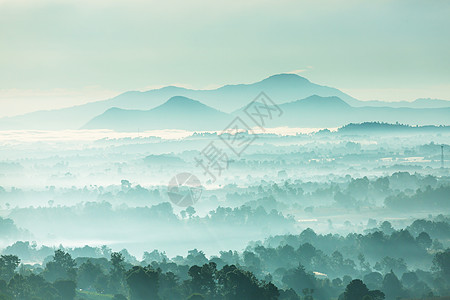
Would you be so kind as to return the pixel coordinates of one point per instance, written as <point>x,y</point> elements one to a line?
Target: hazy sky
<point>59,53</point>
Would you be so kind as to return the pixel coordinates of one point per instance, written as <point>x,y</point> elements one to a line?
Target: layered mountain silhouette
<point>177,113</point>
<point>284,89</point>
<point>281,88</point>
<point>314,111</point>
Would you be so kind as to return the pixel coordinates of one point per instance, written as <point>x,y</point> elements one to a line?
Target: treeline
<point>388,127</point>
<point>438,198</point>
<point>124,221</point>
<point>64,278</point>
<point>9,230</point>
<point>413,244</point>
<point>382,264</point>
<point>396,192</point>
<point>399,191</point>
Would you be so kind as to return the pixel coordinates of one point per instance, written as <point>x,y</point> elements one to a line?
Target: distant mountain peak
<point>176,113</point>
<point>172,88</point>
<point>184,105</point>
<point>177,100</point>
<point>181,102</point>
<point>114,111</point>
<point>285,78</point>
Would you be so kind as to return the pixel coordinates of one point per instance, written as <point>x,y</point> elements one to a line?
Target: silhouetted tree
<point>143,283</point>
<point>117,273</point>
<point>392,287</point>
<point>61,267</point>
<point>203,279</point>
<point>357,290</point>
<point>424,240</point>
<point>8,264</point>
<point>88,273</point>
<point>298,279</point>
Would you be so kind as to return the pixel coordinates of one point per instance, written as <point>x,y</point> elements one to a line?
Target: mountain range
<point>314,111</point>
<point>305,104</point>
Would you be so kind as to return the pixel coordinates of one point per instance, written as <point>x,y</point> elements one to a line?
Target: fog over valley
<point>205,150</point>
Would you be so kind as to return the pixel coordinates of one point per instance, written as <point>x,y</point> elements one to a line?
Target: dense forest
<point>383,263</point>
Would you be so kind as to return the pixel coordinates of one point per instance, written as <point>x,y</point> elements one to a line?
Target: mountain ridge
<point>282,88</point>
<point>227,98</point>
<point>313,111</point>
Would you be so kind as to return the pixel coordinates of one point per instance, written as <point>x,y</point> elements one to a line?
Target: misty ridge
<point>319,196</point>
<point>305,105</point>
